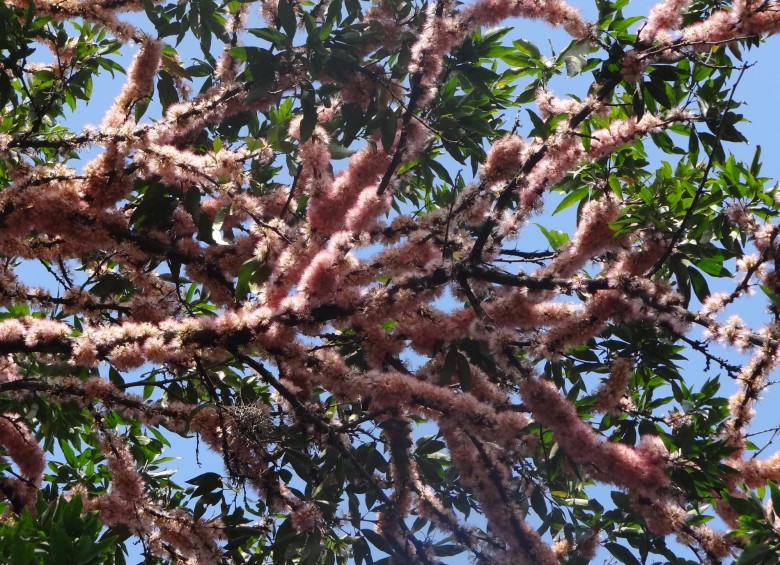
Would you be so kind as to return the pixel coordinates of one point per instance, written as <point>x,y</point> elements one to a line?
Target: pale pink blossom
<point>139,84</point>
<point>641,470</point>
<point>594,236</point>
<point>549,104</point>
<point>662,515</point>
<point>756,472</point>
<point>554,12</point>
<point>22,447</point>
<point>126,481</point>
<point>664,16</point>
<point>747,262</point>
<point>620,132</point>
<point>615,387</point>
<point>634,65</point>
<point>733,332</point>
<point>737,213</point>
<point>504,158</point>
<point>306,517</point>
<point>714,303</point>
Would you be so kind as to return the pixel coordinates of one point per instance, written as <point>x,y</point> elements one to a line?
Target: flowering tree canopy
<point>305,243</point>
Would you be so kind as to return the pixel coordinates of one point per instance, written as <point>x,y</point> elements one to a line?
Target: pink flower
<point>634,66</point>
<point>640,470</point>
<point>612,390</point>
<point>504,158</point>
<point>666,15</point>
<point>139,84</point>
<point>125,479</point>
<point>593,236</point>
<point>22,447</point>
<point>714,303</point>
<point>306,517</point>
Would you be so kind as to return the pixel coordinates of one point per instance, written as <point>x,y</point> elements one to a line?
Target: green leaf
<point>464,373</point>
<point>700,287</point>
<point>272,35</point>
<point>216,226</point>
<point>339,152</point>
<point>622,24</point>
<point>287,18</point>
<point>755,164</point>
<point>554,237</point>
<point>309,121</point>
<point>251,276</point>
<point>541,129</point>
<point>538,502</point>
<point>261,65</point>
<point>167,90</point>
<point>572,198</point>
<point>528,48</point>
<point>450,363</point>
<point>622,553</point>
<point>389,127</point>
<point>757,554</point>
<point>377,541</point>
<point>575,56</point>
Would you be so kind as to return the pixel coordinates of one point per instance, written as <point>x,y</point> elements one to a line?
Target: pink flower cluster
<point>593,237</point>
<point>442,31</point>
<point>193,541</point>
<point>641,470</point>
<point>733,332</point>
<point>610,394</point>
<point>23,449</point>
<point>554,12</point>
<point>665,16</point>
<point>94,11</point>
<point>504,159</point>
<point>620,132</point>
<point>139,85</point>
<point>550,105</point>
<point>526,546</point>
<point>321,290</point>
<point>757,472</point>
